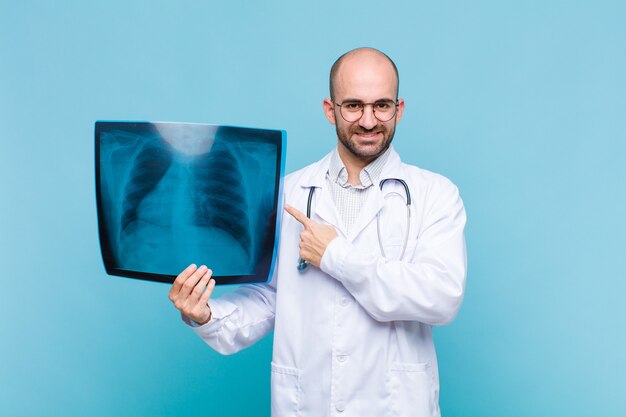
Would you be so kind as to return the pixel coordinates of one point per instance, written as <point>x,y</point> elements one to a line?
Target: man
<point>352,332</point>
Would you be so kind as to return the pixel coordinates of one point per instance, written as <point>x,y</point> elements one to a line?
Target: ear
<point>400,109</point>
<point>329,110</point>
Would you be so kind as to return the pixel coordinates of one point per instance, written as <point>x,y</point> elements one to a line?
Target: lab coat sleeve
<point>427,288</point>
<point>239,319</point>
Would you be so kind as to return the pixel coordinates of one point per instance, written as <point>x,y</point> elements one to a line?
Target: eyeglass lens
<point>351,111</point>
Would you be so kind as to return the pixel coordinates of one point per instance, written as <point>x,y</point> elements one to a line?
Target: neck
<point>354,164</point>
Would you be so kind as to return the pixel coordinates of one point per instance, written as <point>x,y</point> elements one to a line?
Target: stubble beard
<point>366,154</point>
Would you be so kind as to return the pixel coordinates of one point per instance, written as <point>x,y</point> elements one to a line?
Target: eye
<point>383,105</point>
<point>352,105</point>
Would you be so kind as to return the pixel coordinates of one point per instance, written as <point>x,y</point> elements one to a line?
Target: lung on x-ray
<point>172,194</point>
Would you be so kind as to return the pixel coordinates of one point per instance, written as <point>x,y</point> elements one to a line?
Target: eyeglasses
<point>352,110</point>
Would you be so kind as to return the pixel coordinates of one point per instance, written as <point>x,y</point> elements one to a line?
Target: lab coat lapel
<point>322,205</point>
<point>326,210</point>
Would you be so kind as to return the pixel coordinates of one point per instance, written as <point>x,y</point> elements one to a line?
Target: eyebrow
<point>361,101</point>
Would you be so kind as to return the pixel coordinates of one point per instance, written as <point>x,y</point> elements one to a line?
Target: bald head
<point>361,56</point>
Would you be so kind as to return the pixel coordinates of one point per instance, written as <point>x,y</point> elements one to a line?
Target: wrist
<point>205,321</point>
<point>198,323</point>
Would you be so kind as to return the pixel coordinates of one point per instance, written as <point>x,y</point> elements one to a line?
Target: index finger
<point>298,215</point>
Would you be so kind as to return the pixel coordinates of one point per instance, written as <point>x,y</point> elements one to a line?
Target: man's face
<point>366,79</point>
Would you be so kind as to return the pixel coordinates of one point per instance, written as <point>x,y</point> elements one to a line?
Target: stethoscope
<point>302,264</point>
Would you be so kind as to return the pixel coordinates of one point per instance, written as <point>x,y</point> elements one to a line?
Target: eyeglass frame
<point>395,109</point>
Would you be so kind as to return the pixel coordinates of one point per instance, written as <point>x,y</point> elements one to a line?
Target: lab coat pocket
<point>285,391</point>
<point>410,390</point>
<point>396,248</point>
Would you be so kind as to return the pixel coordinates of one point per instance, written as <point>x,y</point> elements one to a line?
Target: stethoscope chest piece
<point>302,264</point>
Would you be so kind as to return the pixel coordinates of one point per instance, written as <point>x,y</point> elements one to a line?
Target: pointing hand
<point>314,238</point>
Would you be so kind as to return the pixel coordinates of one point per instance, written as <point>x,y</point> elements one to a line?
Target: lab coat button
<point>341,358</point>
<point>340,406</point>
<point>344,301</point>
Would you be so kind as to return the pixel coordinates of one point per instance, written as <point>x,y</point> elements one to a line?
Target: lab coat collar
<point>322,204</point>
<point>317,174</point>
<point>393,168</point>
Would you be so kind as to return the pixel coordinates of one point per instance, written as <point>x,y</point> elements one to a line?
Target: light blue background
<point>521,104</point>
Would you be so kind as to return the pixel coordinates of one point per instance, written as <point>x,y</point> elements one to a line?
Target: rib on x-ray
<point>171,194</point>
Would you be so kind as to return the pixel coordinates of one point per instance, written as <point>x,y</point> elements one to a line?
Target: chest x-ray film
<point>172,194</point>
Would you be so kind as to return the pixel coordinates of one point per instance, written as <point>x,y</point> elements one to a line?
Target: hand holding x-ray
<point>191,291</point>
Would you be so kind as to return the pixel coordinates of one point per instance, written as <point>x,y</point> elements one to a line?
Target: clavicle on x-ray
<point>171,194</point>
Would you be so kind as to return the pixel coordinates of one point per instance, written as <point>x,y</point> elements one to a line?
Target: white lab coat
<point>354,337</point>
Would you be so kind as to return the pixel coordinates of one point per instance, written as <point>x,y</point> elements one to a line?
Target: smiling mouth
<point>367,134</point>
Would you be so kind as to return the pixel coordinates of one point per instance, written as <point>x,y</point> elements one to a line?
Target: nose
<point>368,120</point>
